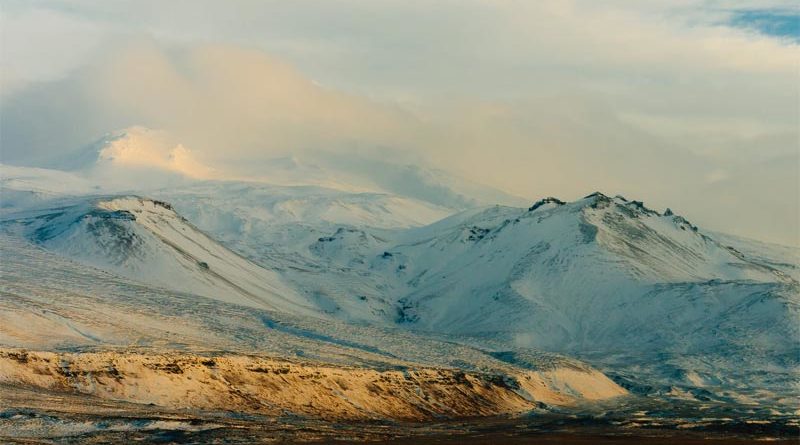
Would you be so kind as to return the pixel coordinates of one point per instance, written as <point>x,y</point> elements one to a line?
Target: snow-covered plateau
<point>350,296</point>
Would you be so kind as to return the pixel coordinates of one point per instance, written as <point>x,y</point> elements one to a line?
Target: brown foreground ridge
<point>271,386</point>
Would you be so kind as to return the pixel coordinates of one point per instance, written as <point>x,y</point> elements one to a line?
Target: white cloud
<point>651,99</point>
<point>139,148</point>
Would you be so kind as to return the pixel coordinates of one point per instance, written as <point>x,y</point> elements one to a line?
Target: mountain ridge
<point>652,300</point>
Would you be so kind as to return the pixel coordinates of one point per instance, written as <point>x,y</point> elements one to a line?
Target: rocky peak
<point>548,200</point>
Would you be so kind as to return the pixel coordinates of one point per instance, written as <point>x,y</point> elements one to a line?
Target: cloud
<point>142,148</point>
<point>222,101</point>
<point>665,101</point>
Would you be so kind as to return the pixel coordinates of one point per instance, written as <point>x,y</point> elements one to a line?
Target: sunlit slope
<point>146,344</point>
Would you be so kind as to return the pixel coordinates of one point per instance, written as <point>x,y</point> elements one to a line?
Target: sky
<point>687,104</point>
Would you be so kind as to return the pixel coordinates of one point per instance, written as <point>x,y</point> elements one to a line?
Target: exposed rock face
<point>275,387</point>
<point>544,201</point>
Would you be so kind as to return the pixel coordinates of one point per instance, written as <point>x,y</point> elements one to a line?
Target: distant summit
<point>543,202</point>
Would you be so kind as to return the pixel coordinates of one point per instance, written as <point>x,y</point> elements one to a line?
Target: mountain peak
<point>545,201</point>
<point>631,207</point>
<point>596,196</point>
<point>639,207</point>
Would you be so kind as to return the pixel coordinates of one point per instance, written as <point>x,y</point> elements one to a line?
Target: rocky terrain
<point>275,387</point>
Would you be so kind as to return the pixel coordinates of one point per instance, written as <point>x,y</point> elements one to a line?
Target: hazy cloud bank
<point>662,102</point>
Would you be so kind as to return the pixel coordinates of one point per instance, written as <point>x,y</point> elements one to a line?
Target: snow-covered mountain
<point>665,308</point>
<point>146,240</point>
<point>97,334</point>
<point>601,277</point>
<point>563,263</point>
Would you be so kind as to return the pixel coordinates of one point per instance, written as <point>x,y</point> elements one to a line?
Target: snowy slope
<point>225,207</point>
<point>146,240</point>
<point>229,207</point>
<point>154,342</point>
<point>601,277</point>
<point>784,258</point>
<point>556,259</point>
<point>22,187</point>
<point>573,277</point>
<point>667,308</point>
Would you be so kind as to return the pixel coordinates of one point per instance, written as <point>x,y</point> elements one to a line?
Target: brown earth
<point>276,387</point>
